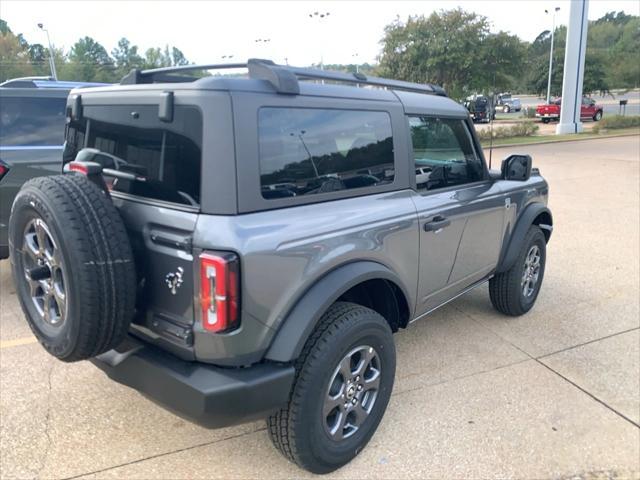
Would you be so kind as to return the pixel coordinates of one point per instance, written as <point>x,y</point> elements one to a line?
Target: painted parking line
<point>16,342</point>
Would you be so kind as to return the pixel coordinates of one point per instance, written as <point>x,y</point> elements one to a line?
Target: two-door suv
<point>244,248</point>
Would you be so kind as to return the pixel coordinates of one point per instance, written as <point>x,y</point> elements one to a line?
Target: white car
<point>422,175</point>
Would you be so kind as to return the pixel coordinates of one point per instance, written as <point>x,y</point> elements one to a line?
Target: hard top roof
<point>265,76</point>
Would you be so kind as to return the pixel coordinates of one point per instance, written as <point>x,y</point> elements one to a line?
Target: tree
<point>90,61</point>
<point>167,57</point>
<point>453,49</point>
<point>126,57</point>
<point>14,57</point>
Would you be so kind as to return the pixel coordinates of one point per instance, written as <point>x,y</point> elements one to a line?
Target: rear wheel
<point>344,380</point>
<point>72,266</point>
<point>545,120</point>
<point>515,291</point>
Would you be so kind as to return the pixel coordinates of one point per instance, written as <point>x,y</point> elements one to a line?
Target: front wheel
<point>598,116</point>
<point>515,291</point>
<point>506,109</point>
<point>344,379</point>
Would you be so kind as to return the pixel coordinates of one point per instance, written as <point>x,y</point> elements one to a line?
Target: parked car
<point>422,175</point>
<point>479,107</point>
<point>32,120</point>
<point>161,255</point>
<point>589,110</point>
<point>507,103</point>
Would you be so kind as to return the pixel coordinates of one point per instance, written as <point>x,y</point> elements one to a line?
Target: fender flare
<point>302,319</point>
<point>527,217</point>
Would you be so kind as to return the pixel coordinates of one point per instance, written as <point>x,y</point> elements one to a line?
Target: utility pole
<point>52,64</point>
<point>553,30</point>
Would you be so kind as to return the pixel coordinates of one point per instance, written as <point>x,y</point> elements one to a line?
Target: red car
<point>551,111</point>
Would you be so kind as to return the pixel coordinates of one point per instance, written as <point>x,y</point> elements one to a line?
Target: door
<point>460,211</point>
<point>31,136</point>
<point>588,108</point>
<point>159,206</point>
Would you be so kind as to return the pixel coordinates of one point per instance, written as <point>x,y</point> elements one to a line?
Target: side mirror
<point>516,167</point>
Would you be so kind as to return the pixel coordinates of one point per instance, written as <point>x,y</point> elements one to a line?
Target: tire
<point>64,229</point>
<point>301,431</point>
<point>545,120</point>
<point>507,289</point>
<point>506,109</point>
<point>598,116</point>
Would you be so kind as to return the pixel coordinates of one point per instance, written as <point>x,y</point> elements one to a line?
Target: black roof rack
<point>284,78</point>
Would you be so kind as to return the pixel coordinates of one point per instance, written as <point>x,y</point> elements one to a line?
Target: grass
<point>559,138</point>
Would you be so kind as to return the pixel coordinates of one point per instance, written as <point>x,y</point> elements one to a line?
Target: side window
<point>32,121</point>
<point>443,153</point>
<point>304,151</point>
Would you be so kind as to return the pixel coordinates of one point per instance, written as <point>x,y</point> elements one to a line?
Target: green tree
<point>453,49</point>
<point>90,61</point>
<point>167,57</point>
<point>14,55</point>
<point>126,57</point>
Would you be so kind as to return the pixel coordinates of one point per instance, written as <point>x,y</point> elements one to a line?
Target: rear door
<point>459,209</point>
<point>160,209</point>
<point>31,135</point>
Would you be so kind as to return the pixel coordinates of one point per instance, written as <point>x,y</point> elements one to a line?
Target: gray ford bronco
<point>244,248</point>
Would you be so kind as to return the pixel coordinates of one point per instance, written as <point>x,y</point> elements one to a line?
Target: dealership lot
<point>552,394</point>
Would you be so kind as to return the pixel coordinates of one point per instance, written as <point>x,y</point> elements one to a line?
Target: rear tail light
<point>4,168</point>
<point>219,291</point>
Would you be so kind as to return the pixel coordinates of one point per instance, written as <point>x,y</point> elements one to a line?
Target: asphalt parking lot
<point>553,394</point>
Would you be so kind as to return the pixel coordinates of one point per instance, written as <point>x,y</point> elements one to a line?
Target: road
<point>553,394</point>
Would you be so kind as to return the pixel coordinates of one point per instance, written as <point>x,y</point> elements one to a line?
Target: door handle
<point>437,224</point>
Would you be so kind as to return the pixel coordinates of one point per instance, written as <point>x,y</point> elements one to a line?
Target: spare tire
<point>72,266</point>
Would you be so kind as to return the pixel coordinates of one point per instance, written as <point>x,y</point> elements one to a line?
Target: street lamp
<point>355,55</point>
<point>52,64</point>
<point>553,29</point>
<point>262,41</point>
<point>320,16</point>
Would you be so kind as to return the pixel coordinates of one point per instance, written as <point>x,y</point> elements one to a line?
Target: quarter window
<point>443,153</point>
<point>310,151</point>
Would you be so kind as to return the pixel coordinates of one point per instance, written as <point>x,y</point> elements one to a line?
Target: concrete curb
<point>562,140</point>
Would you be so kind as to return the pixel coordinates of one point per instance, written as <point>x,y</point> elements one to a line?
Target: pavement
<point>552,394</point>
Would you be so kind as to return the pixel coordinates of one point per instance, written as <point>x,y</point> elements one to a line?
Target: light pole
<point>355,55</point>
<point>553,30</point>
<point>320,17</point>
<point>52,64</point>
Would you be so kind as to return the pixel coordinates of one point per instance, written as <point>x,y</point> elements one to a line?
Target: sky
<point>206,31</point>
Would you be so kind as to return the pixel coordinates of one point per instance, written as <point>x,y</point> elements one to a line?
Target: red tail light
<point>219,291</point>
<point>3,169</point>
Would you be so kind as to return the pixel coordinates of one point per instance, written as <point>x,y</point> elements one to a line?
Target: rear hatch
<point>159,207</point>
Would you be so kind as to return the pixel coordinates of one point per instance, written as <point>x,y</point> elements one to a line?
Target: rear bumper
<point>548,115</point>
<point>210,396</point>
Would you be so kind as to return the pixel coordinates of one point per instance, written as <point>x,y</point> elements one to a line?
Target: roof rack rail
<point>25,82</point>
<point>284,78</point>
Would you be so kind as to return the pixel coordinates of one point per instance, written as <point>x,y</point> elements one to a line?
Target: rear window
<point>309,151</point>
<point>166,155</point>
<point>32,121</point>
